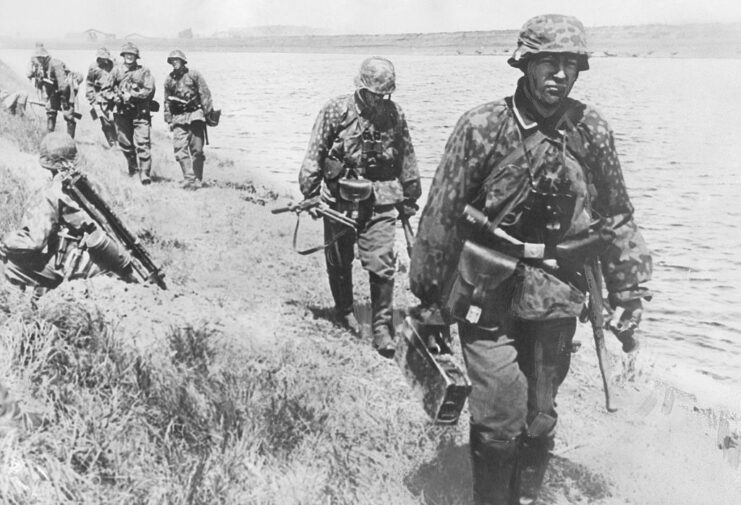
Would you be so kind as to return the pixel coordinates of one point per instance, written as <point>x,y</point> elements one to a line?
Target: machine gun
<point>77,187</point>
<point>317,206</point>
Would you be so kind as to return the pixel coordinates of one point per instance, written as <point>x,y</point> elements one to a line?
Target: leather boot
<point>110,133</point>
<point>493,464</point>
<point>186,166</point>
<point>146,169</point>
<point>340,283</point>
<point>51,123</point>
<point>132,164</point>
<point>198,167</point>
<point>382,295</point>
<point>532,462</point>
<point>71,127</point>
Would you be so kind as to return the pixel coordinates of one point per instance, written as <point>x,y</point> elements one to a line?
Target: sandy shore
<point>229,261</point>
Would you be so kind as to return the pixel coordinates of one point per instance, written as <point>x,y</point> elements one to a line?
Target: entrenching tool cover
<point>442,385</point>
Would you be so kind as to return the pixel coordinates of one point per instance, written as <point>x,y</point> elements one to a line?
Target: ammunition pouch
<point>180,107</point>
<point>213,117</point>
<point>355,190</point>
<point>473,289</point>
<point>539,296</point>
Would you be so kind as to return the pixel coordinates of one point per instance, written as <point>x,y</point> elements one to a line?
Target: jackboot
<point>382,294</point>
<point>146,169</point>
<point>340,284</point>
<point>51,123</point>
<point>109,130</point>
<point>493,464</point>
<point>198,167</point>
<point>532,462</point>
<point>71,127</point>
<point>132,164</point>
<point>186,166</point>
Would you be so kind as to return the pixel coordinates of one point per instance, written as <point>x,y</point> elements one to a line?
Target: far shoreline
<point>643,41</point>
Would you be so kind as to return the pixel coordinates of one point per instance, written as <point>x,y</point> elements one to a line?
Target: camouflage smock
<point>35,244</point>
<point>469,172</point>
<point>337,134</point>
<point>55,71</point>
<point>97,76</point>
<point>188,85</point>
<point>137,81</point>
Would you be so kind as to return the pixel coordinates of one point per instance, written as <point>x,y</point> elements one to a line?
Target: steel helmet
<point>377,75</point>
<point>58,152</point>
<point>40,52</point>
<point>103,54</point>
<point>177,53</point>
<point>551,33</point>
<point>130,48</point>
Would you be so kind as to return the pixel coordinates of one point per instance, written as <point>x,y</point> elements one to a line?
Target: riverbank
<point>234,387</point>
<point>654,41</point>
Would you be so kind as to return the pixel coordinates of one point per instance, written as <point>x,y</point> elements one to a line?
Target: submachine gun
<point>319,207</point>
<point>77,187</point>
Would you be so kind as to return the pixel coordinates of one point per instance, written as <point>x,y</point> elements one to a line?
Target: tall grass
<point>25,131</point>
<point>192,421</point>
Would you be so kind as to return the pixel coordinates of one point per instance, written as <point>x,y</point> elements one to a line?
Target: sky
<point>55,18</point>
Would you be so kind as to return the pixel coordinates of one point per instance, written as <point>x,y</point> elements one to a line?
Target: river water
<point>675,122</point>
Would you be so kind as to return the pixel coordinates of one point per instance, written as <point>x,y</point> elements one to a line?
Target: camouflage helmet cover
<point>103,54</point>
<point>130,48</point>
<point>40,52</point>
<point>377,75</point>
<point>58,152</point>
<point>551,33</point>
<point>176,53</point>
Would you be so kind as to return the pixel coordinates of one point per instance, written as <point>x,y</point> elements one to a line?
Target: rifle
<point>319,207</point>
<point>596,316</point>
<point>408,233</point>
<point>77,187</point>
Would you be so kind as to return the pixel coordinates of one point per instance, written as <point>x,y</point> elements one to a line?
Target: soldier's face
<point>129,58</point>
<point>176,63</point>
<point>550,77</point>
<point>373,100</point>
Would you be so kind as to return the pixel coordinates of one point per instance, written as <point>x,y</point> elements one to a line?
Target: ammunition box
<point>438,380</point>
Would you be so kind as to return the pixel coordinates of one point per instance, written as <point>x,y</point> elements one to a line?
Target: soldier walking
<point>543,169</point>
<point>363,139</point>
<point>130,86</point>
<point>187,104</point>
<point>58,87</point>
<point>97,75</point>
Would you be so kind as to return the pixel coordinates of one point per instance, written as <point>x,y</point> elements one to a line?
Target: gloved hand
<point>433,328</point>
<point>408,208</point>
<point>69,114</point>
<point>625,320</point>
